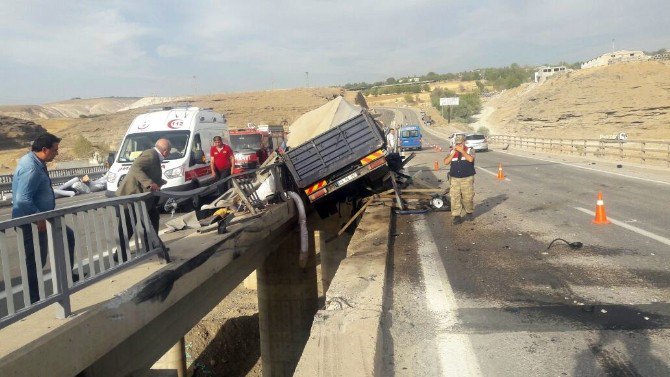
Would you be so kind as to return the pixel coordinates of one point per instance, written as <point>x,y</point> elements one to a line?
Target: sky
<point>56,50</point>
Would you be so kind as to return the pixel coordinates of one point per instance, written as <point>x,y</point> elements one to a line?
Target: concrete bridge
<point>122,324</point>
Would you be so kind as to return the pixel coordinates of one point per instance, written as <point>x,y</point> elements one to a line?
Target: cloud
<point>138,47</point>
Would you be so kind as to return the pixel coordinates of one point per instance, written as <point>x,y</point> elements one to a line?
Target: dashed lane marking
<point>635,229</point>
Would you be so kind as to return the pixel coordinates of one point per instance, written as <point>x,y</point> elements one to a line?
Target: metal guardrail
<point>57,176</point>
<point>94,236</point>
<point>85,243</point>
<point>641,150</point>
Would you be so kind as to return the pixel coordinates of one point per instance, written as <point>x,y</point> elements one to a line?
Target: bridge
<point>402,295</point>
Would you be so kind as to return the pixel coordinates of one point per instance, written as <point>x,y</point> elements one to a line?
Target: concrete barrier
<point>346,336</point>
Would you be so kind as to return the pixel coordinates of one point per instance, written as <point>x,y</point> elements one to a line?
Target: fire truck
<point>253,144</point>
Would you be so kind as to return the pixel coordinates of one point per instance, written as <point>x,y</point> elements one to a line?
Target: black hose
<point>573,245</point>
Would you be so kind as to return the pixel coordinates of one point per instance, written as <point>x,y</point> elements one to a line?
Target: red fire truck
<point>250,146</point>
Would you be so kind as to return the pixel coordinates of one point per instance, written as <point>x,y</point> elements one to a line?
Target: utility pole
<point>307,79</point>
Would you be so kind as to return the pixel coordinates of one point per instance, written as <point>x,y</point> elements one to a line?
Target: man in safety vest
<point>462,192</point>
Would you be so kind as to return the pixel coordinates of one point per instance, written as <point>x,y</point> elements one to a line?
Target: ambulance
<point>190,131</point>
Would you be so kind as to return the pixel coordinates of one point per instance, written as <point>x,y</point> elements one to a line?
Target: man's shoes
<point>470,216</point>
<point>457,220</point>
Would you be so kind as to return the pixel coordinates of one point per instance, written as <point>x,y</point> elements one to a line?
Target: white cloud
<point>244,45</point>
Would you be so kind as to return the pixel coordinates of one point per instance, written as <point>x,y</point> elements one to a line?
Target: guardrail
<point>86,243</point>
<point>99,239</point>
<point>645,151</point>
<point>58,176</point>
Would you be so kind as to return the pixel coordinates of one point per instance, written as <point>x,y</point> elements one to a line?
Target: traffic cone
<point>501,175</point>
<point>601,217</point>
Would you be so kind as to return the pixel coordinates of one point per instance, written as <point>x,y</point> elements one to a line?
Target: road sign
<point>449,101</point>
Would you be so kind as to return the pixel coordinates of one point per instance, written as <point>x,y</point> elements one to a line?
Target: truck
<point>351,152</point>
<point>250,146</point>
<point>190,131</point>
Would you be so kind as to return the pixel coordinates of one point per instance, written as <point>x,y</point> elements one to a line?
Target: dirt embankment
<point>105,131</point>
<point>631,97</point>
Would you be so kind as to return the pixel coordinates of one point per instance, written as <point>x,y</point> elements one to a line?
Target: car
<point>477,141</point>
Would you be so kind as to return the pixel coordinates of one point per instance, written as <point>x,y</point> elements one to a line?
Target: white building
<point>543,72</point>
<point>622,56</point>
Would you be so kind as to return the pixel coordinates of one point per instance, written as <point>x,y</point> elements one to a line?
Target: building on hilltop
<point>543,72</point>
<point>622,56</point>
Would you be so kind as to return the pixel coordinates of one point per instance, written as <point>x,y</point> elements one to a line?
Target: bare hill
<point>73,108</point>
<point>631,97</point>
<point>270,107</point>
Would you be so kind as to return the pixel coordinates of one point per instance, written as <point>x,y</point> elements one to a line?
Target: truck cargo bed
<point>335,149</point>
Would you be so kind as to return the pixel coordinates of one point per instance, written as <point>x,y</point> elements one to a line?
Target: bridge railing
<point>645,151</point>
<point>46,257</point>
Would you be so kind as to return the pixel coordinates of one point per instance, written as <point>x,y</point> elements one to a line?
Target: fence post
<point>620,150</point>
<point>668,158</point>
<point>58,265</point>
<point>642,149</point>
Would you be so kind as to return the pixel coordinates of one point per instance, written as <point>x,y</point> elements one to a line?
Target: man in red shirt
<point>223,161</point>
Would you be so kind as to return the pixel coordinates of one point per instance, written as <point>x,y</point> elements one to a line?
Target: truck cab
<point>250,146</point>
<point>409,137</point>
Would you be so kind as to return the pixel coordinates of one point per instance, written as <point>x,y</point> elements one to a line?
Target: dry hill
<point>16,136</point>
<point>73,108</point>
<point>631,97</point>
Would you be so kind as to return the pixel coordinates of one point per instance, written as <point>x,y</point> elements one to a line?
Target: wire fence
<point>644,151</point>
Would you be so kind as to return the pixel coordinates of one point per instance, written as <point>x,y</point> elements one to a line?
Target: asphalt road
<point>487,298</point>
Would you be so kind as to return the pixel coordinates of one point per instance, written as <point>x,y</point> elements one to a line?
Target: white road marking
<point>455,352</point>
<point>635,229</point>
<point>490,172</point>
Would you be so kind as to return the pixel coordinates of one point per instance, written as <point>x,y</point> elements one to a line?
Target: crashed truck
<point>335,152</point>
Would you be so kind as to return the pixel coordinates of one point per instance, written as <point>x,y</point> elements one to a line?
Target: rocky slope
<point>631,97</point>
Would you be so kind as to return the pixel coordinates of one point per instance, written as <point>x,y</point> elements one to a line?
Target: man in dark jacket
<point>145,175</point>
<point>462,172</point>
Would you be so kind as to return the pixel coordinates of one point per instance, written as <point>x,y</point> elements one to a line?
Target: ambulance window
<point>197,144</point>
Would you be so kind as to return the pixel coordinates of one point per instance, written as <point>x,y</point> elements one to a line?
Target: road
<point>488,298</point>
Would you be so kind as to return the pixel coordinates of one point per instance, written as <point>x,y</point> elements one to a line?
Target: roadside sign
<point>449,101</point>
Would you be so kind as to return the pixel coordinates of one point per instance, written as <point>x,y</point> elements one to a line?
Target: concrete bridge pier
<point>287,302</point>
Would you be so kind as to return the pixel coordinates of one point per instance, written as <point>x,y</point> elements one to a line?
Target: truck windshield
<point>135,144</point>
<point>241,142</point>
<point>409,133</point>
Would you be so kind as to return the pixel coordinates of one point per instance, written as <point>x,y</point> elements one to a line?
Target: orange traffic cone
<point>501,176</point>
<point>601,217</point>
<point>436,165</point>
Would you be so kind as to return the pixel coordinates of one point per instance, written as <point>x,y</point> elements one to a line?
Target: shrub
<point>82,147</point>
<point>483,130</point>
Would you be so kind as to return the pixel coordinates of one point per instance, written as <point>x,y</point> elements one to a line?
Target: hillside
<point>16,135</point>
<point>105,131</point>
<point>632,98</point>
<point>73,108</point>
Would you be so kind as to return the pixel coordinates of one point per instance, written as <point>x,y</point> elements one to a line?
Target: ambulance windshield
<point>135,144</point>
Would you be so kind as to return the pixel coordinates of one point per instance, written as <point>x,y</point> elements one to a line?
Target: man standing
<point>223,162</point>
<point>32,193</point>
<point>462,192</point>
<point>145,175</point>
<point>392,141</point>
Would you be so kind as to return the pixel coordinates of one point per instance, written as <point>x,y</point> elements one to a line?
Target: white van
<point>190,131</point>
